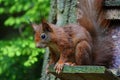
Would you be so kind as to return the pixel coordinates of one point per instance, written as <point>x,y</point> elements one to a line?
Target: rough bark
<point>63,12</point>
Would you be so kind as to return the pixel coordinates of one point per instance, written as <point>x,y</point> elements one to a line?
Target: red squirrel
<point>75,44</point>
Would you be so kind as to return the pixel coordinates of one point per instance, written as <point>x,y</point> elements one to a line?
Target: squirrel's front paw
<point>58,67</point>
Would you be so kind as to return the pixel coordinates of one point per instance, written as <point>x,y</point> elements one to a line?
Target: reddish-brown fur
<point>69,45</point>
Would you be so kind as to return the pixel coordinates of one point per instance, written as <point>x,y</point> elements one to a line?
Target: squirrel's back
<point>77,33</point>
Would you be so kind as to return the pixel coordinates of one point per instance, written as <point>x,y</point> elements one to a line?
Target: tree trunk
<point>62,12</point>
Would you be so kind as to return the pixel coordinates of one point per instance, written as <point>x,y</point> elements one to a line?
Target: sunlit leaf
<point>12,9</point>
<point>10,21</point>
<point>0,70</point>
<point>1,10</point>
<point>18,53</point>
<point>27,6</point>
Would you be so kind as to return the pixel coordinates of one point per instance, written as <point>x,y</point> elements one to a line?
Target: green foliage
<point>18,10</point>
<point>22,55</point>
<point>19,59</point>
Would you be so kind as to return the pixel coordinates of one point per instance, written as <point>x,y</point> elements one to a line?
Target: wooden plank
<point>81,69</point>
<point>113,9</point>
<point>84,73</point>
<point>113,14</point>
<point>112,3</point>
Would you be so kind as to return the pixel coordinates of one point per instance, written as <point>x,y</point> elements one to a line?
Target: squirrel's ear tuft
<point>34,26</point>
<point>46,26</point>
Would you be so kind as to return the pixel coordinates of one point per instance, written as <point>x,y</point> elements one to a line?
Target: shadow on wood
<point>84,73</point>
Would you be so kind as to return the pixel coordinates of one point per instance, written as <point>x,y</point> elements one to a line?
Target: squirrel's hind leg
<point>83,54</point>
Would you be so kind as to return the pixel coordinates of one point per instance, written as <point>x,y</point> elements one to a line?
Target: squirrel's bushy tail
<point>92,17</point>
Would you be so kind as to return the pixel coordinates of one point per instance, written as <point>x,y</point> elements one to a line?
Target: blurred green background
<point>19,59</point>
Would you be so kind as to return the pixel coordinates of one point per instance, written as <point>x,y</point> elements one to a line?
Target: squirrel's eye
<point>43,36</point>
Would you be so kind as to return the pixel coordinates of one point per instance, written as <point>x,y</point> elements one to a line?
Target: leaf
<point>17,21</point>
<point>10,21</point>
<point>27,6</point>
<point>12,9</point>
<point>1,10</point>
<point>18,53</point>
<point>0,70</point>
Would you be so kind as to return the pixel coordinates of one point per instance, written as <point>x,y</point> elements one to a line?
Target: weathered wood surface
<point>84,73</point>
<point>45,62</point>
<point>113,14</point>
<point>112,3</point>
<point>113,9</point>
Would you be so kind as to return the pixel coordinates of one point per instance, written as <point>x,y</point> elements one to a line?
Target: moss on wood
<point>84,73</point>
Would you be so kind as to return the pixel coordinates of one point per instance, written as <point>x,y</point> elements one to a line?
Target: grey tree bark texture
<point>62,12</point>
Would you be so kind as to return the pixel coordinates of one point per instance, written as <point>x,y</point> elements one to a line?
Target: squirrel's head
<point>43,34</point>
